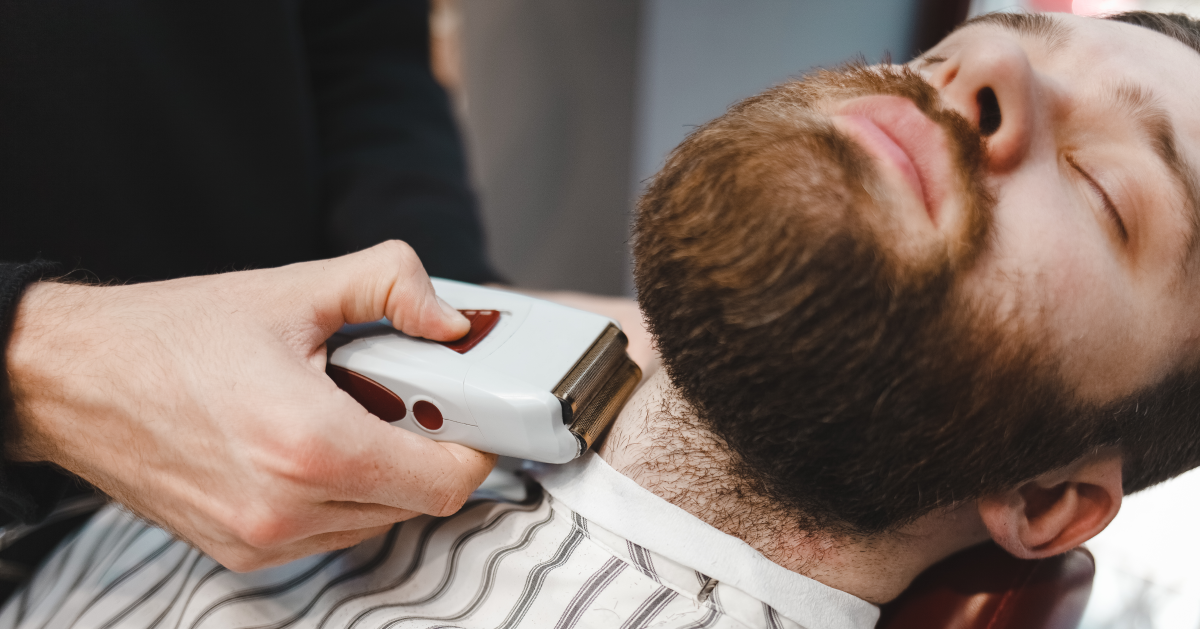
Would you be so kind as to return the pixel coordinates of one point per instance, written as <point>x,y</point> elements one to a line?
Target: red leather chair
<point>984,587</point>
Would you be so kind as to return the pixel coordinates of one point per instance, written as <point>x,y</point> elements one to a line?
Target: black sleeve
<point>27,492</point>
<point>392,158</point>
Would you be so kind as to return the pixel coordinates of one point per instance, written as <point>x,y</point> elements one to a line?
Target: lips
<point>915,148</point>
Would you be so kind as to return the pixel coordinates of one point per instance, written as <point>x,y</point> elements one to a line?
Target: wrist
<point>38,357</point>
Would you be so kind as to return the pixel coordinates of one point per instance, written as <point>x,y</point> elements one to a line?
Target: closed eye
<point>1108,204</point>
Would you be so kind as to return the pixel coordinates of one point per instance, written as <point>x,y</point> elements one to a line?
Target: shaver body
<point>532,379</point>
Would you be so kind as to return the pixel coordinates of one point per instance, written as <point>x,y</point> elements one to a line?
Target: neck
<point>657,442</point>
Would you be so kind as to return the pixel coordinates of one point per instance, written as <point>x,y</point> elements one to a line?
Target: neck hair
<point>658,442</point>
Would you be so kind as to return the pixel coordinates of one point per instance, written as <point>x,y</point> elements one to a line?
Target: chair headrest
<point>983,587</point>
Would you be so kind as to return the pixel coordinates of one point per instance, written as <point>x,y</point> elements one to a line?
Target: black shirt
<point>154,139</point>
<point>144,139</point>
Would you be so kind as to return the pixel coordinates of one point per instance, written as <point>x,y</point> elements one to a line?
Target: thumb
<point>388,280</point>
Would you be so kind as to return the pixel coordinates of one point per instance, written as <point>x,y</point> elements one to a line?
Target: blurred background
<point>568,108</point>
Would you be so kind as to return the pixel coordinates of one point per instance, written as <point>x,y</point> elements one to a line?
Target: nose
<point>991,82</point>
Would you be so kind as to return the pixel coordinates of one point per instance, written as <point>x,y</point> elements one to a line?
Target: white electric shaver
<point>532,379</point>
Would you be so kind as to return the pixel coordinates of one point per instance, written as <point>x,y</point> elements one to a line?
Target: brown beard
<point>848,376</point>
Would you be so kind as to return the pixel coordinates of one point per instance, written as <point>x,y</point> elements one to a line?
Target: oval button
<point>428,415</point>
<point>376,398</point>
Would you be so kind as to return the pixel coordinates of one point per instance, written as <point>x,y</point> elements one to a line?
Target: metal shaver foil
<point>597,387</point>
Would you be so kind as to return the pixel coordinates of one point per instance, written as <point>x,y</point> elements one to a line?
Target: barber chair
<point>984,587</point>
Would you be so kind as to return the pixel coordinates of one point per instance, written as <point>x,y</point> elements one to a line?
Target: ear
<point>1056,511</point>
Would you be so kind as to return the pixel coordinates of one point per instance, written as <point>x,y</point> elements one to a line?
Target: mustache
<point>968,146</point>
<point>859,79</point>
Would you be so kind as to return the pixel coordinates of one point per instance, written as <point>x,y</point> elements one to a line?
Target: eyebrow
<point>1142,106</point>
<point>1051,33</point>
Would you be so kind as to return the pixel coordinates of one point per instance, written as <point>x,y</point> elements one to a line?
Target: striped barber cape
<point>540,563</point>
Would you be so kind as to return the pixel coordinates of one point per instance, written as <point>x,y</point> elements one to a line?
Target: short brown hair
<point>1175,25</point>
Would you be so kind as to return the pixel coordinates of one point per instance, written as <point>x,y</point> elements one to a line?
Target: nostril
<point>989,111</point>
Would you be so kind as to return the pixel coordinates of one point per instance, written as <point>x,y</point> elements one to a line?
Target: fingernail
<point>450,310</point>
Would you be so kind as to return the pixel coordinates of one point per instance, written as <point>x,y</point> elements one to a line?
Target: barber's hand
<point>203,404</point>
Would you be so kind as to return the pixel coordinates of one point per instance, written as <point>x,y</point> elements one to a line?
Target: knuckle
<point>238,557</point>
<point>398,253</point>
<point>448,497</point>
<point>238,562</point>
<point>305,458</point>
<point>261,531</point>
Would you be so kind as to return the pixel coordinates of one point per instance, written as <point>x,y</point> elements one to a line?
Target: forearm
<point>32,356</point>
<point>59,388</point>
<point>27,493</point>
<point>14,282</point>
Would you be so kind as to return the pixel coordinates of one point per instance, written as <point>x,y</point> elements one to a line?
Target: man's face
<point>1091,132</point>
<point>941,280</point>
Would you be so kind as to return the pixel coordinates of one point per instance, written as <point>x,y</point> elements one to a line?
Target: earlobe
<point>1056,511</point>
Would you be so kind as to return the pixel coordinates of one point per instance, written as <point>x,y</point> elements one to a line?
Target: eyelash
<point>1108,204</point>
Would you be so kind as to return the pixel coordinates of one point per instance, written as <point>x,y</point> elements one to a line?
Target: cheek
<point>1042,260</point>
<point>1054,274</point>
<point>1051,279</point>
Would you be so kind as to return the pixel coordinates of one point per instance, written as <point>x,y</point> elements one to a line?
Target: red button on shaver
<point>482,322</point>
<point>428,415</point>
<point>376,398</point>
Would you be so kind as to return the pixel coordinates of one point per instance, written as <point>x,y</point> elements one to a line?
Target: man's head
<point>895,290</point>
